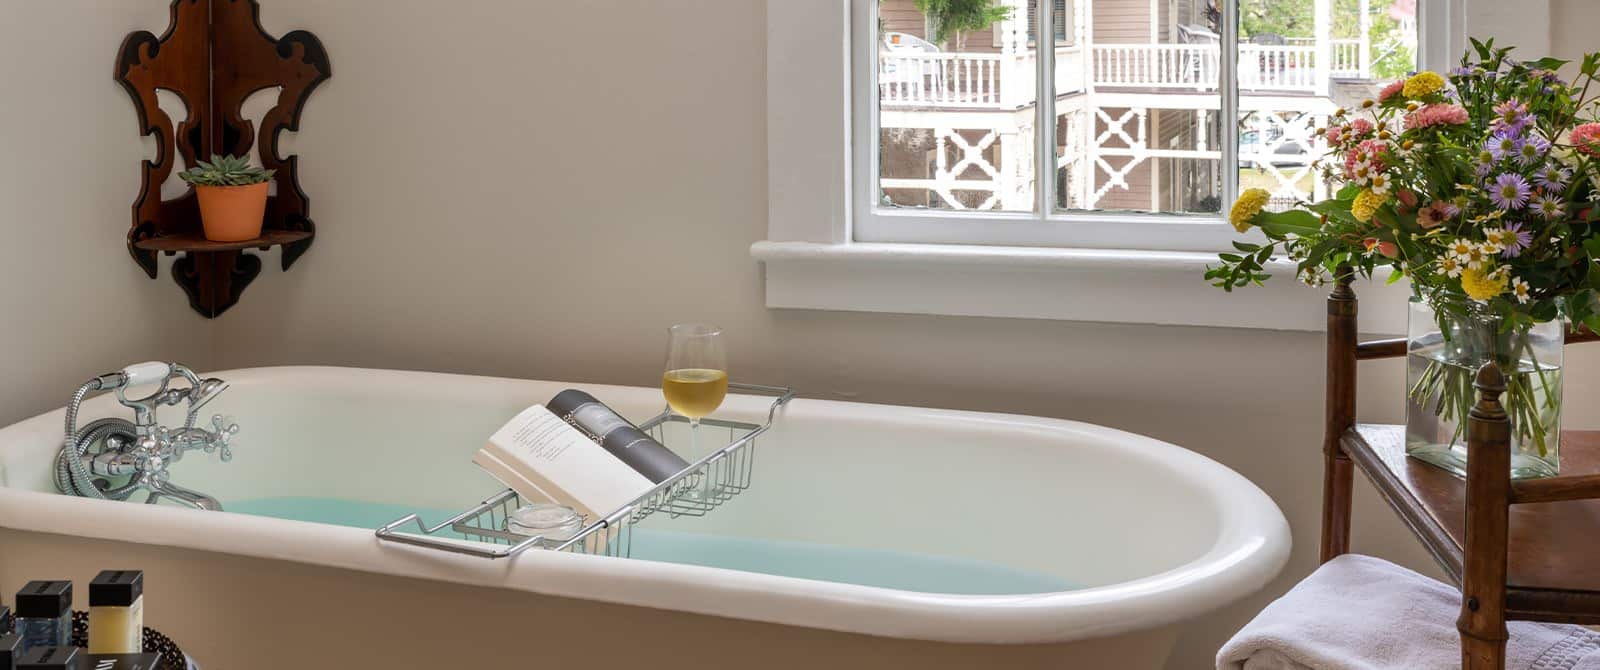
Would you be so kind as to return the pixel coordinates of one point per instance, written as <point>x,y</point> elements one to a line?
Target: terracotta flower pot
<point>232,213</point>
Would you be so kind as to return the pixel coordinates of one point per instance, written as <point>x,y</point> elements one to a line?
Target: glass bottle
<point>44,614</point>
<point>116,612</point>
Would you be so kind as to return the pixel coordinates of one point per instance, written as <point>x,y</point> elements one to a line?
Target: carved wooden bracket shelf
<point>214,56</point>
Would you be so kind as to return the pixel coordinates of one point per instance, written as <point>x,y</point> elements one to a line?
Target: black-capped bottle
<point>623,439</point>
<point>116,612</point>
<point>44,614</point>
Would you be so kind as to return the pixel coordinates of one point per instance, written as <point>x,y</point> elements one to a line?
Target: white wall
<point>75,304</point>
<point>538,189</point>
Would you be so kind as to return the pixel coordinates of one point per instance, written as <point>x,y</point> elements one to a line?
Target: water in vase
<point>1440,393</point>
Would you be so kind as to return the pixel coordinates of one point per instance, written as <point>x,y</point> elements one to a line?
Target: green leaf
<point>1293,222</point>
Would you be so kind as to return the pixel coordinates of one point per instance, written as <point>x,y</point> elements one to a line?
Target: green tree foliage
<point>1293,18</point>
<point>953,18</point>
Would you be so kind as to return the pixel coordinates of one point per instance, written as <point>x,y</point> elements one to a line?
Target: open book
<point>543,458</point>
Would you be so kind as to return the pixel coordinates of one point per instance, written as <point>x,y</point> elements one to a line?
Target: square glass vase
<point>1443,353</point>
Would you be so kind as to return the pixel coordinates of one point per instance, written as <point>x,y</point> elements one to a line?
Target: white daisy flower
<point>1519,289</point>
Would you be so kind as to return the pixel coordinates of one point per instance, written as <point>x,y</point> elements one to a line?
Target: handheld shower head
<point>204,392</point>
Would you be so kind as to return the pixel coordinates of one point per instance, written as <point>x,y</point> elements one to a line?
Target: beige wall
<point>537,189</point>
<point>75,304</point>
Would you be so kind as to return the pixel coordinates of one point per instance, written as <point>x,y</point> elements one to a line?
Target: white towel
<point>1363,613</point>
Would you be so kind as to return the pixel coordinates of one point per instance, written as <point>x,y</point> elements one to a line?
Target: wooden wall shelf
<point>214,56</point>
<point>175,243</point>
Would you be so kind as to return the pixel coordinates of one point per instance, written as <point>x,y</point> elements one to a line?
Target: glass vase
<point>1444,351</point>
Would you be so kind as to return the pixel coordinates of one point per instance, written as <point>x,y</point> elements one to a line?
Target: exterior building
<point>1137,106</point>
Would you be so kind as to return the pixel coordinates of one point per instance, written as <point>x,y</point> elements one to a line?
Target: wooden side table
<point>1523,550</point>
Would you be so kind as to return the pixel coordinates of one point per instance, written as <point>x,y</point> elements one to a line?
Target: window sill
<point>1115,286</point>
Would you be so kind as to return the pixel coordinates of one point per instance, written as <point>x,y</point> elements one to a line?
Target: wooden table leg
<point>1340,414</point>
<point>1483,581</point>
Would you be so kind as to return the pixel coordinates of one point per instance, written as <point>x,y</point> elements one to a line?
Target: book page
<point>558,462</point>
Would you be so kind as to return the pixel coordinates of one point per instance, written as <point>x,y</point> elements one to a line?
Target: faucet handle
<point>225,430</point>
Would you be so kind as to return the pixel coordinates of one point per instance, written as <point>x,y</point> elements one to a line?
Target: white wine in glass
<point>695,380</point>
<point>694,392</point>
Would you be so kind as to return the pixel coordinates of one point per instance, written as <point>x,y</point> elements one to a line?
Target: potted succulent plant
<point>233,197</point>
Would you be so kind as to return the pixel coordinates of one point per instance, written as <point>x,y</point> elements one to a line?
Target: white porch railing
<point>977,80</point>
<point>1347,61</point>
<point>1278,68</point>
<point>1196,66</point>
<point>998,81</point>
<point>1193,66</point>
<point>940,79</point>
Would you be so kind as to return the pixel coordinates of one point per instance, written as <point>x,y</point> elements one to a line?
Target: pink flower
<point>1334,134</point>
<point>1350,164</point>
<point>1391,90</point>
<point>1360,128</point>
<point>1407,198</point>
<point>1437,115</point>
<point>1373,150</point>
<point>1586,138</point>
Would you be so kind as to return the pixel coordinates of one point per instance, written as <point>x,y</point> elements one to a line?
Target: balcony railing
<point>973,80</point>
<point>1197,66</point>
<point>1193,66</point>
<point>997,81</point>
<point>940,79</point>
<point>1347,61</point>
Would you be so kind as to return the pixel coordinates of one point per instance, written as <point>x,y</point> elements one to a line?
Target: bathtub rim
<point>1250,550</point>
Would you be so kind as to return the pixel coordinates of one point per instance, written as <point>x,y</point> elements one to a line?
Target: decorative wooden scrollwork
<point>214,56</point>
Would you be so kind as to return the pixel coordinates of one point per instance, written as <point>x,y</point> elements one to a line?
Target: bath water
<point>849,565</point>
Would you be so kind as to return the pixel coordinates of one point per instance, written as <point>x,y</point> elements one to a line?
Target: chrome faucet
<point>91,459</point>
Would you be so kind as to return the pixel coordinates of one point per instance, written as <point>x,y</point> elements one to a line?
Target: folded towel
<point>1363,613</point>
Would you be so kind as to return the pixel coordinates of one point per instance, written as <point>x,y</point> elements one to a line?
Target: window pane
<point>1369,43</point>
<point>1138,107</point>
<point>956,93</point>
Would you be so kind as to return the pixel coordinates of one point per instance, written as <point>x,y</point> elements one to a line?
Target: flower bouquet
<point>1480,189</point>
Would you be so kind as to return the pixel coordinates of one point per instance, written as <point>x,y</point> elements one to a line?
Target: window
<point>1140,122</point>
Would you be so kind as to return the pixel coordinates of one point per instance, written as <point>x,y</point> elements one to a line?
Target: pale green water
<point>849,565</point>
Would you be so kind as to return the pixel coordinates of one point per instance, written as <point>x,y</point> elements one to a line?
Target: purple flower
<point>1515,240</point>
<point>1550,208</point>
<point>1532,149</point>
<point>1485,163</point>
<point>1513,115</point>
<point>1503,144</point>
<point>1510,191</point>
<point>1552,177</point>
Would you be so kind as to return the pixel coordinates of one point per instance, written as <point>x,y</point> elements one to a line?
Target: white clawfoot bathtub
<point>872,536</point>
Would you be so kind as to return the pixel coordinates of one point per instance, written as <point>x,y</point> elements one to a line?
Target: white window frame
<point>814,259</point>
<point>1042,227</point>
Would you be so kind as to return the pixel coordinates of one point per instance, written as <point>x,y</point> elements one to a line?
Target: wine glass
<point>695,380</point>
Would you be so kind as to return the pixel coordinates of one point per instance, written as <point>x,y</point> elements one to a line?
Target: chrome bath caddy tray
<point>706,484</point>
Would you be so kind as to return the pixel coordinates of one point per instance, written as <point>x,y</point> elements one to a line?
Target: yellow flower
<point>1481,285</point>
<point>1423,83</point>
<point>1245,209</point>
<point>1367,204</point>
